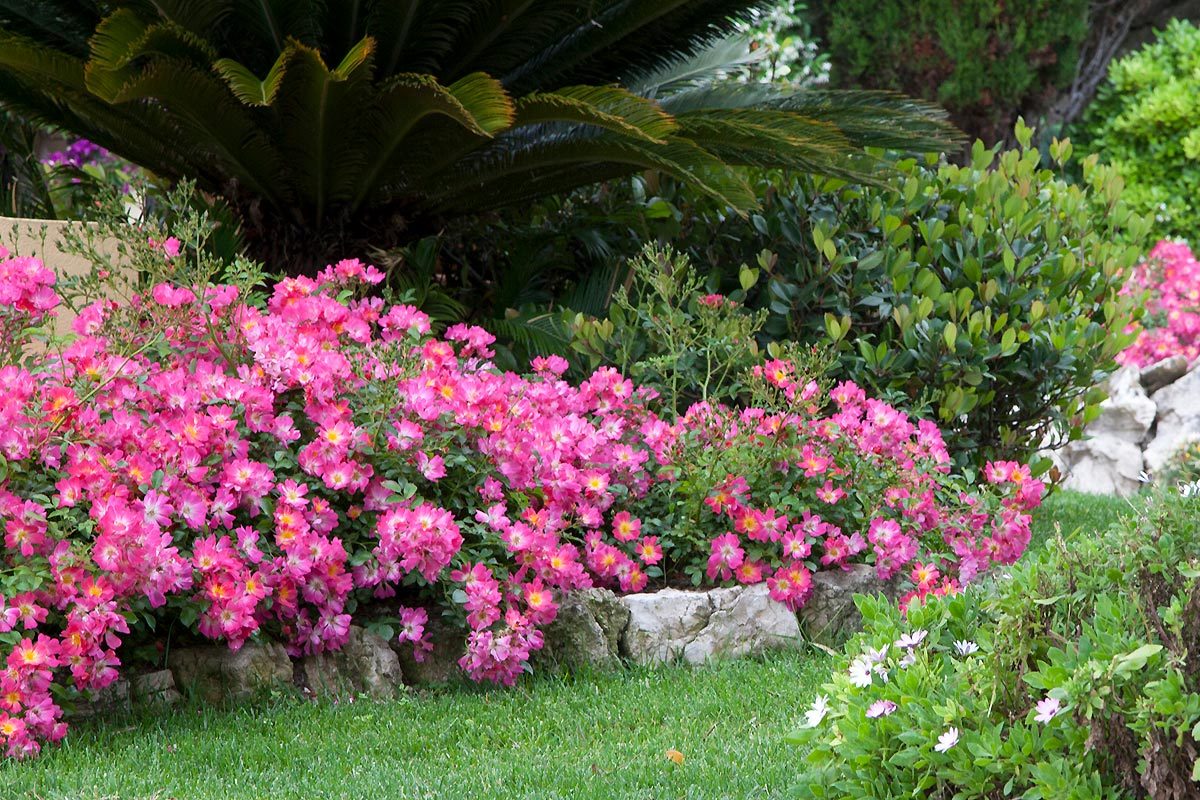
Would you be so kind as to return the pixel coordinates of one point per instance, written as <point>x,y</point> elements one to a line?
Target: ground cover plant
<point>1069,677</point>
<point>281,463</point>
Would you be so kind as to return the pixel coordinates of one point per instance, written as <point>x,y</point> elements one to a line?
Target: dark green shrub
<point>985,296</point>
<point>984,60</point>
<point>1145,121</point>
<point>1073,678</point>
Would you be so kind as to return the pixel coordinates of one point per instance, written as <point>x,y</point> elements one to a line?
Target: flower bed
<point>279,465</point>
<point>1171,276</point>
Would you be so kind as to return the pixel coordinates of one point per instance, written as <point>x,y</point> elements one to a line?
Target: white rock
<point>698,626</point>
<point>1127,413</point>
<point>662,623</point>
<point>1103,464</point>
<point>1178,421</point>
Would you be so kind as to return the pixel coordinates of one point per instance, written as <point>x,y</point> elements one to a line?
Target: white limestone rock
<point>1104,464</point>
<point>698,626</point>
<point>1127,413</point>
<point>1178,421</point>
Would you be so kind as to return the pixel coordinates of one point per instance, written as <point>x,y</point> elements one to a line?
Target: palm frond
<point>540,335</point>
<point>62,24</point>
<point>591,294</point>
<point>123,40</point>
<point>628,36</point>
<point>476,103</point>
<point>714,62</point>
<point>608,107</point>
<point>317,108</point>
<point>246,86</point>
<point>520,161</point>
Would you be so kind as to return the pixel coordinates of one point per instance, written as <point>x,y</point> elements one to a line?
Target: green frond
<point>714,62</point>
<point>517,164</point>
<point>211,125</point>
<point>37,63</point>
<point>418,35</point>
<point>542,335</point>
<point>477,104</point>
<point>877,118</point>
<point>609,107</point>
<point>62,24</point>
<point>246,86</point>
<point>592,293</point>
<point>359,57</point>
<point>199,17</point>
<point>318,111</point>
<point>123,41</point>
<point>619,38</point>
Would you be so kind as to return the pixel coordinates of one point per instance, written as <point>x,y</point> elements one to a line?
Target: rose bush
<point>252,464</point>
<point>1170,277</point>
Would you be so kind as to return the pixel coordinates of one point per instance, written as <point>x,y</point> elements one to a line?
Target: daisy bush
<point>1170,278</point>
<point>1044,683</point>
<point>282,462</point>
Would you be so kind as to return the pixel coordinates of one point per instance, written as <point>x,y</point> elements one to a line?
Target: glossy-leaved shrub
<point>985,296</point>
<point>1144,122</point>
<point>1071,677</point>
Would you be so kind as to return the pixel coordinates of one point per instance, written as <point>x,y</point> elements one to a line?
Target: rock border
<point>1149,414</point>
<point>595,629</point>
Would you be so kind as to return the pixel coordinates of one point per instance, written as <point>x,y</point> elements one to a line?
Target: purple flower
<point>910,640</point>
<point>947,740</point>
<point>1048,709</point>
<point>880,708</point>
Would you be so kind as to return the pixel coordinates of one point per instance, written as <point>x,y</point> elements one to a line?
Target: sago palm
<point>332,124</point>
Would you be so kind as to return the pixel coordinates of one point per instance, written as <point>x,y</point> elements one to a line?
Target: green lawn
<point>1077,512</point>
<point>597,736</point>
<point>588,736</point>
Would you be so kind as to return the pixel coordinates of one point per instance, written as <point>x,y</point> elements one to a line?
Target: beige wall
<point>41,238</point>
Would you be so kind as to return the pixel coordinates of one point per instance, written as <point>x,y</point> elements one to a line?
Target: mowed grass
<point>581,736</point>
<point>587,736</point>
<point>1076,513</point>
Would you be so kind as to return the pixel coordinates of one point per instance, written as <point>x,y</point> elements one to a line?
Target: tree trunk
<point>1115,27</point>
